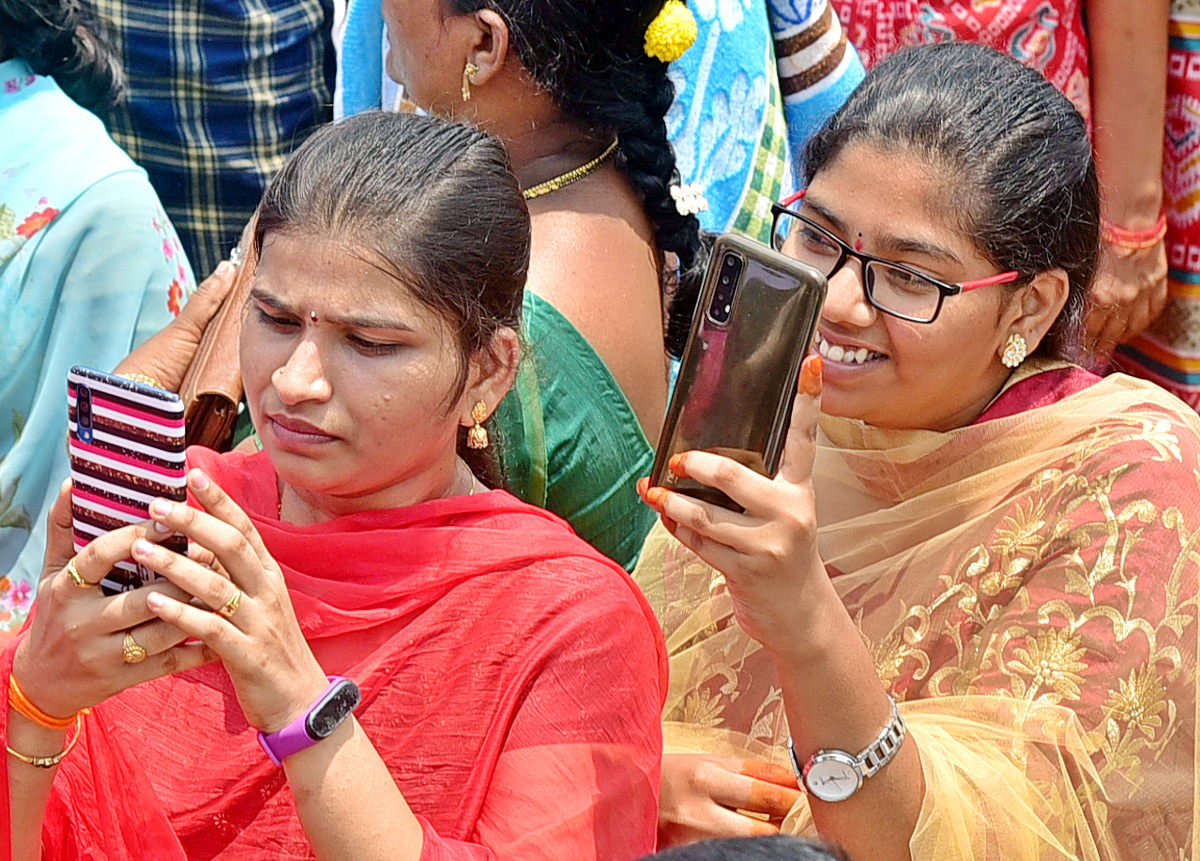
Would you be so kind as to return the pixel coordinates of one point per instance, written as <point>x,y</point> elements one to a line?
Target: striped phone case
<point>126,446</point>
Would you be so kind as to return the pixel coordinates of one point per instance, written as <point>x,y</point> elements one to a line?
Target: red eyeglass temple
<point>1002,278</point>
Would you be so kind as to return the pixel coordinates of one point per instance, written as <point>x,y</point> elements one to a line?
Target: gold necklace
<point>544,188</point>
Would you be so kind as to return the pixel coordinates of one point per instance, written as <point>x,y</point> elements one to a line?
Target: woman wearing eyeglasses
<point>965,612</point>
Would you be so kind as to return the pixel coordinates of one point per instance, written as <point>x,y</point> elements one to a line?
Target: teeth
<point>836,353</point>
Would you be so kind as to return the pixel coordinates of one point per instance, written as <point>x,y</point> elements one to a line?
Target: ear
<point>1034,308</point>
<point>489,48</point>
<point>492,374</point>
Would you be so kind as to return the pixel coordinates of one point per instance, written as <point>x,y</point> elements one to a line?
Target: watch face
<point>329,714</point>
<point>832,776</point>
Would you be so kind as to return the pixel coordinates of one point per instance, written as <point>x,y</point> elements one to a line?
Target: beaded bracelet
<point>1133,240</point>
<point>51,761</point>
<point>22,706</point>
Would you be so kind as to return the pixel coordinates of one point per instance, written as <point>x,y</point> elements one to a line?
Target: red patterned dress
<point>1047,35</point>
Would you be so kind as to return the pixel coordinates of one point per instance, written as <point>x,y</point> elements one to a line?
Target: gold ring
<point>133,651</point>
<point>231,606</point>
<point>76,577</point>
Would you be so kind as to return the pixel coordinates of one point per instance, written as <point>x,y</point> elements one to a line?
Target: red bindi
<point>858,243</point>
<point>312,315</point>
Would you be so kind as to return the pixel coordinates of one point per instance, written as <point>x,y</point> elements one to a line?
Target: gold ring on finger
<point>76,577</point>
<point>131,650</point>
<point>231,606</point>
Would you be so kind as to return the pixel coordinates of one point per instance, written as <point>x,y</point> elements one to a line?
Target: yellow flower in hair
<point>671,32</point>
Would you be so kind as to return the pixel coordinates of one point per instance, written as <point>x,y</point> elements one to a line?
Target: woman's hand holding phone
<point>768,553</point>
<point>254,630</point>
<point>73,657</point>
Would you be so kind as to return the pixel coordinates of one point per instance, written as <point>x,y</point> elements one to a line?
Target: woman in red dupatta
<point>511,677</point>
<point>966,611</point>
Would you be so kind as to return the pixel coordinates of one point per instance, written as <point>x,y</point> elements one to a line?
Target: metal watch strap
<point>880,753</point>
<point>874,757</point>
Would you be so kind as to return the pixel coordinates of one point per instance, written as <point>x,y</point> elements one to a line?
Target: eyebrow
<point>357,321</point>
<point>892,244</point>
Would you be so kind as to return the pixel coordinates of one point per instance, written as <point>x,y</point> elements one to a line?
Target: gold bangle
<point>144,379</point>
<point>50,761</point>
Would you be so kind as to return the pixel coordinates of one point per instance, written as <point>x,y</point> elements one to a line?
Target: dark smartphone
<point>753,325</point>
<point>126,445</point>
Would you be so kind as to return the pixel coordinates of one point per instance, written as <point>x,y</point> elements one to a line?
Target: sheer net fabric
<point>1028,587</point>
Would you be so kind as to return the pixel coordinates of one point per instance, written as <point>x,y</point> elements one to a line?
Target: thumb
<point>206,301</point>
<point>800,446</point>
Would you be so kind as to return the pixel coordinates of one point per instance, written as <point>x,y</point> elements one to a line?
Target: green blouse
<point>569,440</point>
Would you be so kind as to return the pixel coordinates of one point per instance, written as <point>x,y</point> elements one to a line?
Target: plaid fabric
<point>220,92</point>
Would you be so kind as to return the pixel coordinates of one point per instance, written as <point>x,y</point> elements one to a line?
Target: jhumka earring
<point>469,74</point>
<point>477,437</point>
<point>1015,351</point>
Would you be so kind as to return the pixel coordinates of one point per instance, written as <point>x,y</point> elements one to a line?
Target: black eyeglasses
<point>891,287</point>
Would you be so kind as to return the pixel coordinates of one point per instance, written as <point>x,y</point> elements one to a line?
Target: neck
<point>305,507</point>
<point>541,141</point>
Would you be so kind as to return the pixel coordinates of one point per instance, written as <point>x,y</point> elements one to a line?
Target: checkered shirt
<point>219,93</point>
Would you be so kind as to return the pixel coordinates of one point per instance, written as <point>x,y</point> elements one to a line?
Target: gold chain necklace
<point>544,188</point>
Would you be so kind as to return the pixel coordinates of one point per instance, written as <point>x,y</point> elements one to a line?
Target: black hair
<point>57,38</point>
<point>777,848</point>
<point>436,205</point>
<point>1015,154</point>
<point>590,56</point>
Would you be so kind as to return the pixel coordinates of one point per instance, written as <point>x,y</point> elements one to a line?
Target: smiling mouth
<point>845,354</point>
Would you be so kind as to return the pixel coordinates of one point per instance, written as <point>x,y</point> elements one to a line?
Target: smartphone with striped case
<point>126,446</point>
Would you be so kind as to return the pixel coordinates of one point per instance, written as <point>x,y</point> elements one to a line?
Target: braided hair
<point>57,39</point>
<point>590,56</point>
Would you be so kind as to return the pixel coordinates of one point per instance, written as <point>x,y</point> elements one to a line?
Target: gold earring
<point>469,74</point>
<point>1015,351</point>
<point>477,437</point>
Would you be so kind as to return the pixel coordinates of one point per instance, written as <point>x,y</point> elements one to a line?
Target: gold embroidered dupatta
<point>1028,586</point>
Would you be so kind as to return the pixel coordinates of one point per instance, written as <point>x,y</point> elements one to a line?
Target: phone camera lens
<point>722,301</point>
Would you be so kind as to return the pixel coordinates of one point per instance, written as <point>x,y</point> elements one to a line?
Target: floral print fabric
<point>1029,588</point>
<point>89,267</point>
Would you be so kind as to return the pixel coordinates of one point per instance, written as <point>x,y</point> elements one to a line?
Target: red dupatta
<point>512,681</point>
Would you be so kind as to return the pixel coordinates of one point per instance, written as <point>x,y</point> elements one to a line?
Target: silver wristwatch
<point>835,775</point>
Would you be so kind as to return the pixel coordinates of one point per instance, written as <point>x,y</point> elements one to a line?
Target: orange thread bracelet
<point>1134,240</point>
<point>22,706</point>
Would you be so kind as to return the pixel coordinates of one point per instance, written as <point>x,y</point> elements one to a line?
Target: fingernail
<point>199,480</point>
<point>643,484</point>
<point>156,601</point>
<point>676,464</point>
<point>160,507</point>
<point>224,267</point>
<point>161,528</point>
<point>142,547</point>
<point>811,376</point>
<point>655,496</point>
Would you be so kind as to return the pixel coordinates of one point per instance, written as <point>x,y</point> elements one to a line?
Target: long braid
<point>589,55</point>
